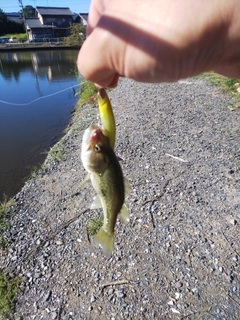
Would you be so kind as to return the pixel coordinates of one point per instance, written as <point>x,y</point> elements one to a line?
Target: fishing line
<point>44,97</point>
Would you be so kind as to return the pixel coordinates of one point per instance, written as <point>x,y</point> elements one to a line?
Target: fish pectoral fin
<point>124,214</point>
<point>105,240</point>
<point>96,204</point>
<point>84,180</point>
<point>127,187</point>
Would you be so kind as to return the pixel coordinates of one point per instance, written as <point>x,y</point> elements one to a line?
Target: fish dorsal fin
<point>127,187</point>
<point>124,214</point>
<point>96,204</point>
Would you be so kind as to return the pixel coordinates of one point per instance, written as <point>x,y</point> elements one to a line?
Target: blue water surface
<point>37,95</point>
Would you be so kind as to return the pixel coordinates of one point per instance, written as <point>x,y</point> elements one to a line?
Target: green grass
<point>94,225</point>
<point>4,207</point>
<point>18,36</point>
<point>9,287</point>
<point>87,94</point>
<point>228,85</point>
<point>35,170</point>
<point>57,152</point>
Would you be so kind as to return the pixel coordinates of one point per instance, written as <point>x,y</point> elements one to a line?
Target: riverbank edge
<point>37,47</point>
<point>12,284</point>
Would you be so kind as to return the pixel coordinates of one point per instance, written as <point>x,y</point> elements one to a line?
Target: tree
<point>29,11</point>
<point>3,23</point>
<point>9,26</point>
<point>77,35</point>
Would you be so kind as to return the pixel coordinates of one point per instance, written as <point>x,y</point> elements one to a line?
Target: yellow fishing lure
<point>107,116</point>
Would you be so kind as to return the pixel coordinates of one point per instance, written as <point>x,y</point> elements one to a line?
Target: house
<point>51,22</point>
<point>81,18</point>
<point>14,16</point>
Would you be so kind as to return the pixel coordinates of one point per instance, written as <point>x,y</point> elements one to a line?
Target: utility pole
<point>23,15</point>
<point>21,5</point>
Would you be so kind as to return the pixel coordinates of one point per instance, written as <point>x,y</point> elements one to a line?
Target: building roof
<point>54,11</point>
<point>14,16</point>
<point>35,23</point>
<point>81,17</point>
<point>84,16</point>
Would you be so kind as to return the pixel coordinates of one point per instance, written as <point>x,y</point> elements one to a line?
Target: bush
<point>77,35</point>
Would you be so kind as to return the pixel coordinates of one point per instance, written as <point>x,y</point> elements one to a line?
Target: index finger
<point>96,10</point>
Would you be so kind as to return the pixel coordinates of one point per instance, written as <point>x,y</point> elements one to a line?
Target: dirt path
<point>178,258</point>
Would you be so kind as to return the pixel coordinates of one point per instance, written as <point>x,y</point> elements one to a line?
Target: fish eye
<point>97,148</point>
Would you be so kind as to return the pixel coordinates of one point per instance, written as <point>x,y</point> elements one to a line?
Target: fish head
<point>95,150</point>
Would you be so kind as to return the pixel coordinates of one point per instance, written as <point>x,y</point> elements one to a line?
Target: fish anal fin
<point>105,240</point>
<point>124,214</point>
<point>96,204</point>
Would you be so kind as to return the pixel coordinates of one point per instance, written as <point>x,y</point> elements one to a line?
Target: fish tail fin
<point>105,240</point>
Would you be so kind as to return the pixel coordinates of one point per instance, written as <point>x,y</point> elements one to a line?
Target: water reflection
<point>47,64</point>
<point>27,128</point>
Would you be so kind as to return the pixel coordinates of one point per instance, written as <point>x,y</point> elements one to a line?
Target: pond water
<point>37,95</point>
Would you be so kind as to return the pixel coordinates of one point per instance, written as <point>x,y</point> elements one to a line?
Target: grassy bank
<point>9,286</point>
<point>4,208</point>
<point>227,85</point>
<point>87,93</point>
<point>21,37</point>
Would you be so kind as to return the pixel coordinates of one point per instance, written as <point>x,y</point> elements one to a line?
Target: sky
<point>74,5</point>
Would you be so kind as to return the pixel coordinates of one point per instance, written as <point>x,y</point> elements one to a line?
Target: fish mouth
<point>96,135</point>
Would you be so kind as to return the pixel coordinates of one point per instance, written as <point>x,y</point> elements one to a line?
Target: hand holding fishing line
<point>149,42</point>
<point>160,41</point>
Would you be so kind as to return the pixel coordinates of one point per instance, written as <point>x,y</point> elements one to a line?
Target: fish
<point>107,116</point>
<point>106,175</point>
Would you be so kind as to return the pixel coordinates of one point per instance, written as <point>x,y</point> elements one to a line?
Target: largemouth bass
<point>107,179</point>
<point>107,116</point>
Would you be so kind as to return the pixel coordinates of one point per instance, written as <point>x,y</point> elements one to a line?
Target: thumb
<point>94,60</point>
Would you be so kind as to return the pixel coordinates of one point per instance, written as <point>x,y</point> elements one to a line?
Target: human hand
<point>160,41</point>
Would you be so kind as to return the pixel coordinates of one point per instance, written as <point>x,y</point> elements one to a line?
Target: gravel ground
<point>178,258</point>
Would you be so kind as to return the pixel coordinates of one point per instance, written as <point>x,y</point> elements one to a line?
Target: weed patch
<point>228,85</point>
<point>94,225</point>
<point>57,152</point>
<point>4,207</point>
<point>9,287</point>
<point>87,93</point>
